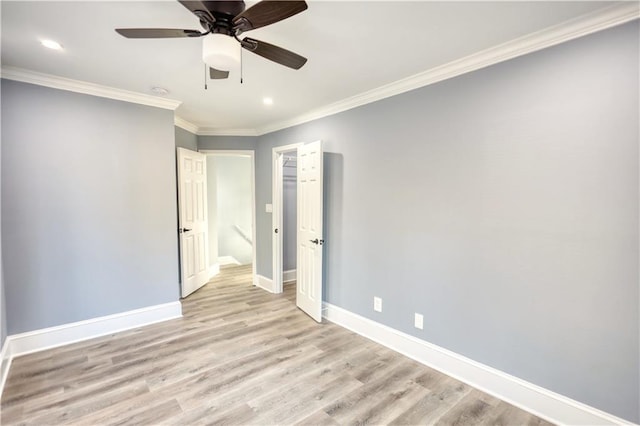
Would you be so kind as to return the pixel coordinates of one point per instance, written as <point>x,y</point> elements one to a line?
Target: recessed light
<point>267,101</point>
<point>160,91</point>
<point>50,44</point>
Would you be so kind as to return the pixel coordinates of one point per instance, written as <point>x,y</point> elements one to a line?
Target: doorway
<point>231,212</point>
<point>289,217</point>
<point>284,215</point>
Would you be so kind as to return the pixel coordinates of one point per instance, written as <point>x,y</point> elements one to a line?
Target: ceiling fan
<point>223,23</point>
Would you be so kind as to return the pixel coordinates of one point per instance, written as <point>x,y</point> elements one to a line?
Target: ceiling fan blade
<point>198,8</point>
<point>267,12</point>
<point>274,53</point>
<point>215,74</point>
<point>156,33</point>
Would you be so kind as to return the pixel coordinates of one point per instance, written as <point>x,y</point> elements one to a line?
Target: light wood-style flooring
<point>240,356</point>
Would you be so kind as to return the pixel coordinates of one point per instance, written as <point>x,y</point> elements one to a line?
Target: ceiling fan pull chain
<point>205,76</point>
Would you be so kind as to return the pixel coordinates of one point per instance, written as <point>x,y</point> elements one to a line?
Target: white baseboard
<point>542,402</point>
<point>5,364</point>
<point>227,260</point>
<point>214,270</point>
<point>264,283</point>
<point>289,275</point>
<point>46,338</point>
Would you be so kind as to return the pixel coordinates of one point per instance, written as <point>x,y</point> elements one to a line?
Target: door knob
<point>181,230</point>
<point>316,241</point>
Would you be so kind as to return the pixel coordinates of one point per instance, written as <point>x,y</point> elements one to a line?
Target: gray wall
<point>289,215</point>
<point>503,206</point>
<point>233,204</point>
<point>186,139</point>
<point>227,142</point>
<point>88,206</point>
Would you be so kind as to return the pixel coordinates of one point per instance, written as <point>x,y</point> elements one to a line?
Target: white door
<point>310,239</point>
<point>192,212</point>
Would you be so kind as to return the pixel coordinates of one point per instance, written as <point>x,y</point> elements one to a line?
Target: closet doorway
<point>231,213</point>
<point>285,213</point>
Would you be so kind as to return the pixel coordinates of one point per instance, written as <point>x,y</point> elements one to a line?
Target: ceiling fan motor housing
<point>219,15</point>
<point>230,8</point>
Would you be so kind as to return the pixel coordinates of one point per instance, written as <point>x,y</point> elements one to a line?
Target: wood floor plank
<point>471,410</point>
<point>319,418</point>
<point>507,415</point>
<point>351,406</point>
<point>239,355</point>
<point>297,402</point>
<point>430,408</point>
<point>152,413</point>
<point>72,409</point>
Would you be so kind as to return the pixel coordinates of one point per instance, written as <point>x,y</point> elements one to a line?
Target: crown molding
<point>48,80</point>
<point>186,125</point>
<point>599,20</point>
<point>569,30</point>
<point>208,131</point>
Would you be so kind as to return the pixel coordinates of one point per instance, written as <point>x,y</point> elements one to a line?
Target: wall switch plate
<point>377,304</point>
<point>418,321</point>
<point>268,208</point>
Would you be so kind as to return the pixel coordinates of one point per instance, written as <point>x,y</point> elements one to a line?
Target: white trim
<point>5,363</point>
<point>264,283</point>
<point>184,124</point>
<point>574,28</point>
<point>288,276</point>
<point>276,219</point>
<point>227,260</point>
<point>254,249</point>
<point>47,338</point>
<point>228,153</point>
<point>208,131</point>
<point>48,80</point>
<point>214,270</point>
<point>288,148</point>
<point>542,402</point>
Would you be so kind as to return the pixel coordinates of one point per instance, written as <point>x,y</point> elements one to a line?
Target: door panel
<point>310,239</point>
<point>192,208</point>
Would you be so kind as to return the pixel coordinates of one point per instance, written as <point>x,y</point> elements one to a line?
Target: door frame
<point>278,154</point>
<point>251,154</point>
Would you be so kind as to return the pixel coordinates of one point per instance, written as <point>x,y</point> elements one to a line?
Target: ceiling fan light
<point>220,51</point>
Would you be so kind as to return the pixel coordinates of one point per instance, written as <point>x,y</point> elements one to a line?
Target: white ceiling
<point>352,47</point>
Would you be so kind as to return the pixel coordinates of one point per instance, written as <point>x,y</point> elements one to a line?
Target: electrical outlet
<point>418,321</point>
<point>377,304</point>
